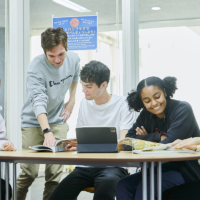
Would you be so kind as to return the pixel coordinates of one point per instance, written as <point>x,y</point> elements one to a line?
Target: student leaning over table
<point>5,145</point>
<point>96,109</point>
<point>189,190</point>
<point>44,113</point>
<point>161,120</point>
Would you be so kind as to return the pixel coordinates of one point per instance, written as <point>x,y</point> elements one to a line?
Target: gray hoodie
<point>46,88</point>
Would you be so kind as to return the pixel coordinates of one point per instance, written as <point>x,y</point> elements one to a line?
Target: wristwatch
<point>46,130</point>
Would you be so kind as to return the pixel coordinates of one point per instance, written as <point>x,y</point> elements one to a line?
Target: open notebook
<point>145,147</point>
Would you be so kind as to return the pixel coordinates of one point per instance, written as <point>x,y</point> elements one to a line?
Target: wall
<point>2,67</point>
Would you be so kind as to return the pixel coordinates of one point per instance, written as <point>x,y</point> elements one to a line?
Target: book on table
<point>59,146</point>
<point>146,147</point>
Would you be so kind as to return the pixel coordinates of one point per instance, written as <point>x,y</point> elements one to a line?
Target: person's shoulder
<point>84,102</point>
<point>145,114</point>
<point>86,105</point>
<point>38,60</point>
<point>72,55</point>
<point>180,105</point>
<point>118,98</point>
<point>120,103</point>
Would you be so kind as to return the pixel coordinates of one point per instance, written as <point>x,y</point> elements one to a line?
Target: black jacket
<point>181,124</point>
<point>179,118</point>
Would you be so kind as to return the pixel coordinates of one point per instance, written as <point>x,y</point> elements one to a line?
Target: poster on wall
<point>81,31</point>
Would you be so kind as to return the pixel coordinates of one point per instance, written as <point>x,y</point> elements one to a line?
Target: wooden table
<point>124,159</point>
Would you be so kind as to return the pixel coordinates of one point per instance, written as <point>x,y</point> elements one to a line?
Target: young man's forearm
<point>123,133</point>
<point>72,91</point>
<point>43,121</point>
<point>49,139</point>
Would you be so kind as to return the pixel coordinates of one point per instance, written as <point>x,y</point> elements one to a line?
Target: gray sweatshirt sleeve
<point>3,138</point>
<point>77,69</point>
<point>38,92</point>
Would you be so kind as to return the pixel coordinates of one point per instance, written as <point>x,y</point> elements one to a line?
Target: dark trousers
<point>187,191</point>
<point>3,190</point>
<point>130,187</point>
<point>104,181</point>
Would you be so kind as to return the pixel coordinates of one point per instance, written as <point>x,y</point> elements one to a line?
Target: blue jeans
<point>130,187</point>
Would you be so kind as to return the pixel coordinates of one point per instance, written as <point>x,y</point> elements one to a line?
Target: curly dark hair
<point>167,85</point>
<point>51,37</point>
<point>95,72</point>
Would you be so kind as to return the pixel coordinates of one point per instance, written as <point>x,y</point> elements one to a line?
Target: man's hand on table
<point>71,145</point>
<point>163,137</point>
<point>49,140</point>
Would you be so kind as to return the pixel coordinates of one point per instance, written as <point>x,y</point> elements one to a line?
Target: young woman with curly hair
<point>163,120</point>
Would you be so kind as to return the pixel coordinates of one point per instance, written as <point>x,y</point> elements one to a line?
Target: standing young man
<point>44,114</point>
<point>96,109</point>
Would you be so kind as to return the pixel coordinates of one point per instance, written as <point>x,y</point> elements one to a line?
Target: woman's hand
<point>193,147</point>
<point>189,143</point>
<point>141,131</point>
<point>9,146</point>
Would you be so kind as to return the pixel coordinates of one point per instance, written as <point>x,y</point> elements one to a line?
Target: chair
<point>88,189</point>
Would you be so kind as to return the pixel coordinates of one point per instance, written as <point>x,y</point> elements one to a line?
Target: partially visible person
<point>5,145</point>
<point>98,108</point>
<point>163,120</point>
<point>190,143</point>
<point>189,190</point>
<point>44,113</point>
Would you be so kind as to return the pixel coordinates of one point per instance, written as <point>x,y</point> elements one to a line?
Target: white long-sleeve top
<point>198,149</point>
<point>3,138</point>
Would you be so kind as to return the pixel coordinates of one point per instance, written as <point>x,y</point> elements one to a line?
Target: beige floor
<point>38,185</point>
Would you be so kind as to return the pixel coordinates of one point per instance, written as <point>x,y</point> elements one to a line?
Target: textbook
<point>162,149</point>
<point>59,146</point>
<point>146,147</point>
<point>135,144</point>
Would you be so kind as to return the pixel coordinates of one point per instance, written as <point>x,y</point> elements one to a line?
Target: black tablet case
<point>96,140</point>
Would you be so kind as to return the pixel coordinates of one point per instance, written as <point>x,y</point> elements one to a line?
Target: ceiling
<point>172,13</point>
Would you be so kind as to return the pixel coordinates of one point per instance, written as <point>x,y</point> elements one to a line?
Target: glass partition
<point>2,55</point>
<point>170,47</point>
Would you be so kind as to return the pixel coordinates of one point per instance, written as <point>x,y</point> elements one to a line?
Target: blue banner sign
<point>81,31</point>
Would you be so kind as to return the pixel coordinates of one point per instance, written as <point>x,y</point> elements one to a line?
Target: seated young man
<point>96,109</point>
